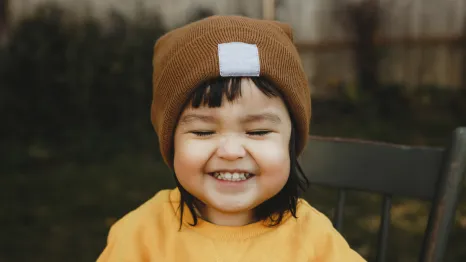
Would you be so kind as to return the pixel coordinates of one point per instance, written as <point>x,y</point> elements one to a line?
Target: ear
<point>286,28</point>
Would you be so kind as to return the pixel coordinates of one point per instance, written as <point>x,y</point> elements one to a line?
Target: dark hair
<point>212,93</point>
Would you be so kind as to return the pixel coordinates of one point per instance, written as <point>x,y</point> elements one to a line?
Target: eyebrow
<point>196,117</point>
<point>189,118</point>
<point>262,117</point>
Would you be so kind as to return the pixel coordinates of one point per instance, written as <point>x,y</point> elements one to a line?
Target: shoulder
<point>145,214</point>
<point>311,218</point>
<point>329,245</point>
<point>148,222</point>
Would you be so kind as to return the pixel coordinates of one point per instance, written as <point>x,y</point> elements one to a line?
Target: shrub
<point>63,80</point>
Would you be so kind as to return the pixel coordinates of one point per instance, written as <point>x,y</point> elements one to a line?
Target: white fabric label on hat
<point>238,59</point>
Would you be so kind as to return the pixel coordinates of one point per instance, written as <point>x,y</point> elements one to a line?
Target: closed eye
<point>259,132</point>
<point>203,133</point>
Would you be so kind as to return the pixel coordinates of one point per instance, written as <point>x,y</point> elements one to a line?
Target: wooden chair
<point>433,174</point>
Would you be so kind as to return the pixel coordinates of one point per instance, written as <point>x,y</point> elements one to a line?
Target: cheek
<point>190,157</point>
<point>273,159</point>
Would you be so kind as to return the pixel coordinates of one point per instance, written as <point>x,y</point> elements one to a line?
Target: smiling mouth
<point>234,177</point>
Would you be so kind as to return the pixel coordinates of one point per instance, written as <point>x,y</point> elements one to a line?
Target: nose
<point>231,148</point>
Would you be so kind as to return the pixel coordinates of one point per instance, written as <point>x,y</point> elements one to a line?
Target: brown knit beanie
<point>225,46</point>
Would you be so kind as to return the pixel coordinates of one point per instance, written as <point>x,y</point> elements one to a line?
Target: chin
<point>231,205</point>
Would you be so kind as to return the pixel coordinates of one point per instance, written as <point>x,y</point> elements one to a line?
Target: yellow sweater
<point>150,233</point>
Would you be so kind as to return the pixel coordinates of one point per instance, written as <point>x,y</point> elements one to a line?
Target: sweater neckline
<point>214,231</point>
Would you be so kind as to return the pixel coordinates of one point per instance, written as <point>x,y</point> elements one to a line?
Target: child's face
<point>249,135</point>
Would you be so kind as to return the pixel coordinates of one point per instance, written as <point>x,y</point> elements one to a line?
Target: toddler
<point>231,107</point>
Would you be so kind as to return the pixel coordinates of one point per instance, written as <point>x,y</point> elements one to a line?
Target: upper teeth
<point>231,176</point>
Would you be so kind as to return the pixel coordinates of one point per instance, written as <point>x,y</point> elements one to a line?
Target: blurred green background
<point>78,150</point>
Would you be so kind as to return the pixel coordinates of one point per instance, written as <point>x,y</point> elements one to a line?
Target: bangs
<point>213,92</point>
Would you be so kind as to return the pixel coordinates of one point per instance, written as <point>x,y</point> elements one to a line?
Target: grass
<point>61,210</point>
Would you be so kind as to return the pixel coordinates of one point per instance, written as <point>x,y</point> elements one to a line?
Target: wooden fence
<point>419,40</point>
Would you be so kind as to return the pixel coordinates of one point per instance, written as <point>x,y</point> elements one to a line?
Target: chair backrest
<point>433,174</point>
